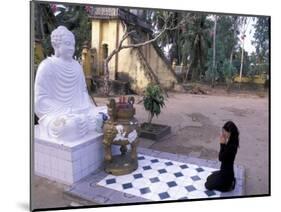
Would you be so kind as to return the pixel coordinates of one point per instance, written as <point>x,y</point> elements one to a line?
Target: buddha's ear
<point>57,54</point>
<point>55,45</point>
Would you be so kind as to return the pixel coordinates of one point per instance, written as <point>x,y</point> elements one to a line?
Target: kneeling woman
<point>224,180</point>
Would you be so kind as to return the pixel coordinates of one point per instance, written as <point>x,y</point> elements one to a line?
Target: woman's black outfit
<point>224,180</point>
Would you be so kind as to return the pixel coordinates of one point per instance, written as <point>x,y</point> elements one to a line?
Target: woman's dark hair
<point>234,133</point>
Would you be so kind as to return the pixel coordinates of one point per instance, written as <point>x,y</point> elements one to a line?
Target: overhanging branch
<point>155,38</point>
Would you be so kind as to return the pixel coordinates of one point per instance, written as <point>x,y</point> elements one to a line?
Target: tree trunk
<point>231,57</point>
<point>186,74</point>
<point>149,120</point>
<point>106,78</point>
<point>242,60</point>
<point>234,37</point>
<point>245,26</point>
<point>39,23</point>
<point>214,52</point>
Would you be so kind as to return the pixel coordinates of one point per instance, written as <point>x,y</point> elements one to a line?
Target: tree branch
<point>155,38</point>
<point>144,43</point>
<point>124,37</point>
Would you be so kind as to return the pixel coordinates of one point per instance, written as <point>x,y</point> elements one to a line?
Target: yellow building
<point>86,63</point>
<point>139,66</point>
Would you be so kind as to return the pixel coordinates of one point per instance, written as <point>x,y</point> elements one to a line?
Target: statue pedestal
<point>67,162</point>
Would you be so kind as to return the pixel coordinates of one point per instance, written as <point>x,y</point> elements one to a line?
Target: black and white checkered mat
<point>159,179</point>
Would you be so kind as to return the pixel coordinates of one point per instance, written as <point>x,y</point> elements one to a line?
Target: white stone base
<point>68,162</point>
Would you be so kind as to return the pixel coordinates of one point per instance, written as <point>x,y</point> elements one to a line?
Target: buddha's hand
<point>57,126</point>
<point>68,127</point>
<point>82,124</point>
<point>95,122</point>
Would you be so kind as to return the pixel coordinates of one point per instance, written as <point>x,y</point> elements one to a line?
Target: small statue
<point>62,103</point>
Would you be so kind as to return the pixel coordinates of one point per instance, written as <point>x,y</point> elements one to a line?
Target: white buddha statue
<point>65,110</point>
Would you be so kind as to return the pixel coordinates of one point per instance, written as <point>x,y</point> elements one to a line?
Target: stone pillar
<point>112,44</point>
<point>96,43</point>
<point>94,62</point>
<point>86,64</point>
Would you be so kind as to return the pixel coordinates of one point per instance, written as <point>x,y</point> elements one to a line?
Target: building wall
<point>130,66</point>
<point>86,64</point>
<point>104,32</point>
<point>160,68</point>
<point>96,40</point>
<point>126,64</point>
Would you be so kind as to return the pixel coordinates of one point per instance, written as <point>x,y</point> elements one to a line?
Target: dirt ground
<point>196,122</point>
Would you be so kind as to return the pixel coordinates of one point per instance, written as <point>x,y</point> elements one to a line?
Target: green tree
<point>228,70</point>
<point>225,45</point>
<point>199,36</point>
<point>44,23</point>
<point>174,38</point>
<point>74,17</point>
<point>261,41</point>
<point>187,43</point>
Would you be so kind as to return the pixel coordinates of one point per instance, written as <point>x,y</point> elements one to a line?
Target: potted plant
<point>153,102</point>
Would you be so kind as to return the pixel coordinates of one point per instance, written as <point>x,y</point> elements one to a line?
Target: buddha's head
<point>63,42</point>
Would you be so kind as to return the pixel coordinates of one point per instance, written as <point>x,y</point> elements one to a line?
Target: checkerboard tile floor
<point>159,179</point>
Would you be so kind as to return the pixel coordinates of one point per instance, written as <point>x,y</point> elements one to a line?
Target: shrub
<point>153,101</point>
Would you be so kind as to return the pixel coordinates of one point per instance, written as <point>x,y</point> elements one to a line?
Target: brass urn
<point>121,129</point>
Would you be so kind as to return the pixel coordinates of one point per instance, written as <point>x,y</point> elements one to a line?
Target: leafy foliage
<point>261,43</point>
<point>188,43</point>
<point>226,44</point>
<point>74,17</point>
<point>192,44</point>
<point>261,37</point>
<point>228,70</point>
<point>153,100</point>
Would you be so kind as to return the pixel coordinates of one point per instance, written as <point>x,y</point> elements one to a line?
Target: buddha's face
<point>66,48</point>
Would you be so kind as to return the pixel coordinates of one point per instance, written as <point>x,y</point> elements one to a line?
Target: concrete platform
<point>68,162</point>
<point>91,190</point>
